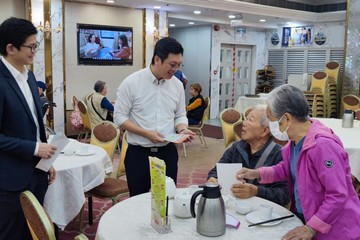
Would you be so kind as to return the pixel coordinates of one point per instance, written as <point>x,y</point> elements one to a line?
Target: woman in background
<point>317,169</point>
<point>124,50</point>
<point>196,106</point>
<point>91,48</point>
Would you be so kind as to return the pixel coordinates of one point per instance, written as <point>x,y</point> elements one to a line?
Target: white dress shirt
<point>152,104</point>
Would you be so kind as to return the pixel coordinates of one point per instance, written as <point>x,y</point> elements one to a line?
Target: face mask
<point>275,130</point>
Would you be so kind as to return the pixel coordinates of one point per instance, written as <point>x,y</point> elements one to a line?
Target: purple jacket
<point>329,201</point>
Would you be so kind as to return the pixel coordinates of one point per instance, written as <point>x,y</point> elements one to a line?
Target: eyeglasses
<point>175,65</point>
<point>33,48</point>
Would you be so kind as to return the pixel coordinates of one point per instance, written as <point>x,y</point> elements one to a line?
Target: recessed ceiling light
<point>262,20</point>
<point>197,12</point>
<point>172,25</point>
<point>110,1</point>
<point>232,16</point>
<point>191,23</point>
<point>157,7</point>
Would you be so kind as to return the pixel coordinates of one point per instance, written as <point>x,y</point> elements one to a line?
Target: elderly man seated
<point>255,149</point>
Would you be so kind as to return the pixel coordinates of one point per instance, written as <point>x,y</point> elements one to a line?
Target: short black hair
<point>15,31</point>
<point>165,46</point>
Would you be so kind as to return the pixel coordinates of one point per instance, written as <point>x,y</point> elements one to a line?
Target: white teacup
<point>243,206</point>
<point>265,212</point>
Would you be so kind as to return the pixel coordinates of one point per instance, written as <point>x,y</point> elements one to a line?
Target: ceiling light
<point>262,20</point>
<point>232,16</point>
<point>191,23</point>
<point>157,7</point>
<point>110,1</point>
<point>172,25</point>
<point>197,12</point>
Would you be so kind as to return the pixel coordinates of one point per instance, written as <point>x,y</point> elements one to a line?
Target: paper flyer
<point>176,138</point>
<point>227,176</point>
<point>59,141</point>
<point>158,191</point>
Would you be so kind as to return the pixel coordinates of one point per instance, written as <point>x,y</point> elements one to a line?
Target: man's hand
<point>46,150</point>
<point>190,135</point>
<point>244,190</point>
<point>155,137</point>
<point>212,180</point>
<point>52,175</point>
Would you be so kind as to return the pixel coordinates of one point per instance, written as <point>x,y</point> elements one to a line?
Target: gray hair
<point>288,99</point>
<point>99,86</point>
<point>264,121</point>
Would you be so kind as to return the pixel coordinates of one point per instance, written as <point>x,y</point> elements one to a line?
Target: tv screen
<point>104,45</point>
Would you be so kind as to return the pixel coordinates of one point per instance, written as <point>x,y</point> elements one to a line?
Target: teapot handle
<point>192,202</point>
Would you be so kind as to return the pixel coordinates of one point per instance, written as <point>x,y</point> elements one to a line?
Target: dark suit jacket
<point>17,132</point>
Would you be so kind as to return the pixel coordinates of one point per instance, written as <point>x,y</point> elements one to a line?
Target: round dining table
<point>131,219</point>
<point>76,173</point>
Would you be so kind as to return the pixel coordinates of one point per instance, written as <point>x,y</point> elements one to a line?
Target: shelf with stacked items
<point>264,79</point>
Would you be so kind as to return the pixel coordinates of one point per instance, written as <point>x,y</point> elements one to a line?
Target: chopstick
<point>271,220</point>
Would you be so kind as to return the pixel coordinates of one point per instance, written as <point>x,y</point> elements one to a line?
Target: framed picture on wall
<point>297,36</point>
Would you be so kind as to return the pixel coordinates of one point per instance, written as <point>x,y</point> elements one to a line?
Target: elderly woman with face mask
<point>255,149</point>
<point>316,167</point>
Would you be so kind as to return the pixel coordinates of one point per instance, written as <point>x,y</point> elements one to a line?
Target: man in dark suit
<point>22,133</point>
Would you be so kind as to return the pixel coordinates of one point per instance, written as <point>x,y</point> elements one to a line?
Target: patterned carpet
<point>192,170</point>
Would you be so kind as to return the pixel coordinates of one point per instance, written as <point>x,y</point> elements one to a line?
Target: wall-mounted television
<point>104,45</point>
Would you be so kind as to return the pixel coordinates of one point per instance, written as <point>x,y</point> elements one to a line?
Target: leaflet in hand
<point>176,138</point>
<point>227,175</point>
<point>59,141</point>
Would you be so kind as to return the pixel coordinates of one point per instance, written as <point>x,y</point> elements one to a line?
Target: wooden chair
<point>86,121</point>
<point>198,128</point>
<point>228,118</point>
<point>106,135</point>
<point>39,222</point>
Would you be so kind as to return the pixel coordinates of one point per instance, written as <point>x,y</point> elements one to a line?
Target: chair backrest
<point>84,115</point>
<point>237,130</point>
<point>124,146</point>
<point>319,81</point>
<point>228,118</point>
<point>41,227</point>
<point>333,69</point>
<point>105,135</point>
<point>206,112</point>
<point>351,102</point>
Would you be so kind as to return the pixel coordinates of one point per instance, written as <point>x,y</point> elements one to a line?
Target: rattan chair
<point>197,129</point>
<point>39,222</point>
<point>228,118</point>
<point>106,135</point>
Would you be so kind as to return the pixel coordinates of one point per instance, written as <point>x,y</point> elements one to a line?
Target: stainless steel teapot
<point>210,219</point>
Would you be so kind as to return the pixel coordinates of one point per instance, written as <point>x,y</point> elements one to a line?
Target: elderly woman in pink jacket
<point>316,167</point>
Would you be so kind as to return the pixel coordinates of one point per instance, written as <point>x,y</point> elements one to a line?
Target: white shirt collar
<point>14,72</point>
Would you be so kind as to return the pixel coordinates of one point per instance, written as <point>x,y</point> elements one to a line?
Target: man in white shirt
<point>150,105</point>
<point>22,132</point>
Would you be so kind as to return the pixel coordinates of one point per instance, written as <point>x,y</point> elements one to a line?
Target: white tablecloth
<point>130,219</point>
<point>74,176</point>
<point>245,102</point>
<point>350,138</point>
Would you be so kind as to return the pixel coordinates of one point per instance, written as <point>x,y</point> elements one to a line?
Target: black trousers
<point>12,220</point>
<point>138,170</point>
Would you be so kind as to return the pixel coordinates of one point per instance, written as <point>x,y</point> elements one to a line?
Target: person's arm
<point>107,105</point>
<point>123,53</point>
<point>195,104</point>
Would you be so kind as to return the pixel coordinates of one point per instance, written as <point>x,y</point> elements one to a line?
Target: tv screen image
<point>104,45</point>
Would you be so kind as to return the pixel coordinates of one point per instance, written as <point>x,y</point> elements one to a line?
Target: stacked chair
<point>229,118</point>
<point>332,69</point>
<point>318,95</point>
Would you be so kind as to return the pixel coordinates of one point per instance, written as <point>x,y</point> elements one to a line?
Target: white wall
<point>12,8</point>
<point>80,79</point>
<point>196,42</point>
